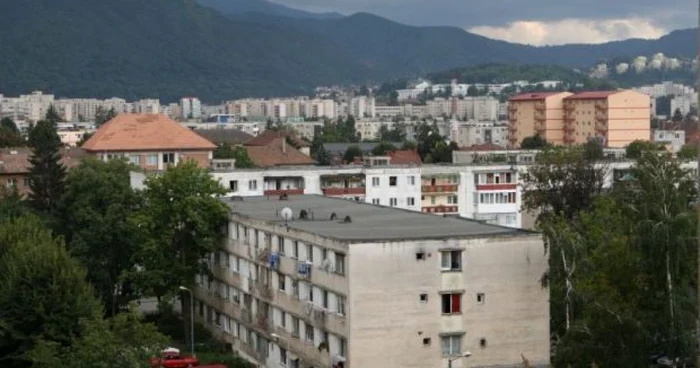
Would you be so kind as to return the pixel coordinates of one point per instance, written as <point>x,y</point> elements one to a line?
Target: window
<point>480,298</point>
<point>341,304</point>
<point>325,299</point>
<point>283,356</point>
<point>432,200</point>
<point>11,182</point>
<point>136,160</point>
<point>423,297</point>
<point>393,202</point>
<point>451,260</point>
<point>451,345</point>
<point>410,201</point>
<point>280,244</point>
<point>420,256</point>
<point>482,342</point>
<point>282,282</point>
<point>168,158</point>
<point>295,326</point>
<point>233,185</point>
<point>375,182</point>
<point>311,293</point>
<point>340,264</point>
<point>283,318</point>
<point>375,201</point>
<point>392,181</point>
<point>411,180</point>
<point>152,160</point>
<point>309,252</point>
<point>309,332</point>
<point>26,182</point>
<point>452,199</point>
<point>252,185</point>
<point>426,341</point>
<point>295,249</point>
<point>451,303</point>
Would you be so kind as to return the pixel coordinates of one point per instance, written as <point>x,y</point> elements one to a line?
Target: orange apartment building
<point>150,141</point>
<point>616,117</point>
<point>536,113</point>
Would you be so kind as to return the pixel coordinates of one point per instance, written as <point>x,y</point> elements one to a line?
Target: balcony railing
<point>279,192</point>
<point>494,186</point>
<point>330,191</point>
<point>441,209</point>
<point>263,290</point>
<point>440,188</point>
<point>308,353</point>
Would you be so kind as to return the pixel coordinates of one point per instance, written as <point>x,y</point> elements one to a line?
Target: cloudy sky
<point>538,22</point>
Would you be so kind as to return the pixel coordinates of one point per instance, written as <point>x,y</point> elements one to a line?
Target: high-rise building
<point>191,108</point>
<point>532,114</point>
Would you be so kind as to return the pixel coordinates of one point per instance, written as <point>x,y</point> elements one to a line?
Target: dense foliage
<point>238,153</point>
<point>47,173</point>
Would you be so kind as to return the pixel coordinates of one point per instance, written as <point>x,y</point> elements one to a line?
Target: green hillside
<point>501,73</point>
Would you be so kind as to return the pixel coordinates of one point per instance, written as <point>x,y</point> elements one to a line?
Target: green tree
<point>688,152</point>
<point>409,145</point>
<point>102,116</point>
<point>9,124</point>
<point>432,147</point>
<point>677,116</point>
<point>240,154</point>
<point>397,133</point>
<point>635,149</point>
<point>52,116</point>
<point>94,212</point>
<point>383,148</point>
<point>323,157</point>
<point>84,139</point>
<point>12,204</point>
<point>180,225</point>
<point>43,293</point>
<point>534,142</point>
<point>593,150</point>
<point>10,135</point>
<point>352,152</point>
<point>47,173</point>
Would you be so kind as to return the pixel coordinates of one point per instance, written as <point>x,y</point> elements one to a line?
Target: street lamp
<point>466,354</point>
<point>191,318</point>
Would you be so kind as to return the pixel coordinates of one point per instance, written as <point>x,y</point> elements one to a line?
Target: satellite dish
<point>287,214</point>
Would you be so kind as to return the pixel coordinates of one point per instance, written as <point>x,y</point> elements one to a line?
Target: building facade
<point>532,114</point>
<point>323,287</point>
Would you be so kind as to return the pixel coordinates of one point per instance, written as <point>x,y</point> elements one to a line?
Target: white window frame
<point>447,260</point>
<point>451,345</point>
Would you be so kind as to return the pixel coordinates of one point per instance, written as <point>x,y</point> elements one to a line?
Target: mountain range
<point>227,49</point>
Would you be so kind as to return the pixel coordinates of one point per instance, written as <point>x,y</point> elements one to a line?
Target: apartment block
<point>617,118</point>
<point>312,281</point>
<point>530,114</point>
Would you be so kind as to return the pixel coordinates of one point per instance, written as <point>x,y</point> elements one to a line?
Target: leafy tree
<point>534,142</point>
<point>409,145</point>
<point>688,152</point>
<point>12,204</point>
<point>383,148</point>
<point>432,147</point>
<point>180,224</point>
<point>102,116</point>
<point>94,212</point>
<point>677,116</point>
<point>53,116</point>
<point>593,150</point>
<point>47,173</point>
<point>396,134</point>
<point>340,131</point>
<point>635,149</point>
<point>240,154</point>
<point>323,157</point>
<point>10,138</point>
<point>43,293</point>
<point>352,152</point>
<point>9,124</point>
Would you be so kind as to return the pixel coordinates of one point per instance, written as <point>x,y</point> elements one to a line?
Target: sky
<point>535,22</point>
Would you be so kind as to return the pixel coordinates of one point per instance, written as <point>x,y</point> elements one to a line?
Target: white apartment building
<point>312,281</point>
<point>684,103</point>
<point>146,106</point>
<point>472,133</point>
<point>673,139</point>
<point>31,107</point>
<point>363,107</point>
<point>665,89</point>
<point>191,108</point>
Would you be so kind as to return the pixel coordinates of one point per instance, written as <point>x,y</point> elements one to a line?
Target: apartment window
<point>11,182</point>
<point>393,202</point>
<point>282,282</point>
<point>168,158</point>
<point>295,249</point>
<point>280,244</point>
<point>343,347</point>
<point>233,185</point>
<point>480,298</point>
<point>411,180</point>
<point>152,160</point>
<point>309,252</point>
<point>451,260</point>
<point>424,297</point>
<point>325,299</point>
<point>375,201</point>
<point>432,200</point>
<point>311,293</point>
<point>392,181</point>
<point>26,182</point>
<point>451,345</point>
<point>283,356</point>
<point>136,160</point>
<point>452,199</point>
<point>426,341</point>
<point>252,185</point>
<point>295,326</point>
<point>451,303</point>
<point>410,201</point>
<point>340,264</point>
<point>375,182</point>
<point>283,318</point>
<point>341,304</point>
<point>509,178</point>
<point>309,332</point>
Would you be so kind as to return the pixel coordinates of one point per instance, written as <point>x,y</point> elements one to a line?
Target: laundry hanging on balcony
<point>274,260</point>
<point>304,268</point>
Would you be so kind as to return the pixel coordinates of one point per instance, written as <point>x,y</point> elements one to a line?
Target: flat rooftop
<point>369,222</point>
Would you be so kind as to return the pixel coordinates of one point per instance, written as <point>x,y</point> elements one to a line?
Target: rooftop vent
<point>303,215</point>
<point>333,216</point>
<point>347,220</point>
<point>284,197</point>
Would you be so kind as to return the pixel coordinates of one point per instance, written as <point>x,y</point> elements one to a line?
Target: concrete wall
<point>554,114</point>
<point>629,118</point>
<point>388,321</point>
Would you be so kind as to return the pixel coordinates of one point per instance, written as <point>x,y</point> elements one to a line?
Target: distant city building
<point>672,139</point>
<point>191,108</point>
<point>363,107</point>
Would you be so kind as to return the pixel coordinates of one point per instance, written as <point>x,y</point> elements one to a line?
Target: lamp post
<point>191,318</point>
<point>466,354</point>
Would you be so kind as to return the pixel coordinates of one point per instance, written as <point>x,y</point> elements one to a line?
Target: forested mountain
<point>265,7</point>
<point>171,48</point>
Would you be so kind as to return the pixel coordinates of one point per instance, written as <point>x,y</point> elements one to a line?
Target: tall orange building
<point>536,113</point>
<point>616,117</point>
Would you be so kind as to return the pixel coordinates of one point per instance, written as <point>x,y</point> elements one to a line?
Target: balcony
<point>512,108</point>
<point>601,106</point>
<point>262,290</point>
<point>308,353</point>
<point>331,192</point>
<point>277,186</point>
<point>601,128</point>
<point>343,184</point>
<point>264,323</point>
<point>441,209</point>
<point>440,188</point>
<point>539,106</point>
<point>227,276</point>
<point>496,186</point>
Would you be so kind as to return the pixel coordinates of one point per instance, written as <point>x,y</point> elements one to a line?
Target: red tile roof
<point>405,157</point>
<point>277,153</point>
<point>16,160</point>
<point>533,96</point>
<point>484,147</point>
<point>591,95</point>
<point>145,132</point>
